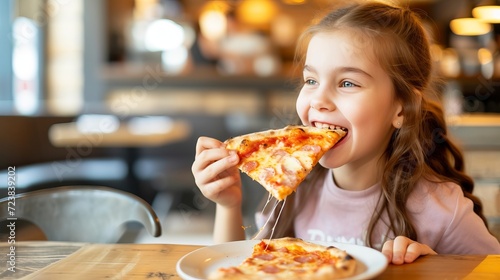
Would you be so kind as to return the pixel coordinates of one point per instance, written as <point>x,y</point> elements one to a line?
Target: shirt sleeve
<point>466,232</point>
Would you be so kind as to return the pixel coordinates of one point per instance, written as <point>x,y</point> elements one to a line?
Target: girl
<point>395,182</point>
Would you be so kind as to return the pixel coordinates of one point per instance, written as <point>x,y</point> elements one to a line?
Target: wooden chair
<point>81,213</point>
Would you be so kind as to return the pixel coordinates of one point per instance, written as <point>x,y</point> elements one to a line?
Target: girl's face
<point>345,86</point>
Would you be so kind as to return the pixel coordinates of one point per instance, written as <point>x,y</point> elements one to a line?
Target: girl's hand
<point>216,174</point>
<point>404,250</point>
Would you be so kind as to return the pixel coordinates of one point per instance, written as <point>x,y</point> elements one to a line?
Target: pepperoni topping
<point>249,166</point>
<point>282,250</point>
<point>305,259</point>
<point>280,153</point>
<point>271,269</point>
<point>265,257</point>
<point>267,173</point>
<point>311,148</point>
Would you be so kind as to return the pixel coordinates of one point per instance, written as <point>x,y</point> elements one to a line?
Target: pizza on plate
<point>280,159</point>
<point>290,258</point>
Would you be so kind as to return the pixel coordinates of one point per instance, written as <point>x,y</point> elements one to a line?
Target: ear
<point>398,118</point>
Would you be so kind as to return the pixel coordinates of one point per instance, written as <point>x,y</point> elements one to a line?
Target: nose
<point>321,103</point>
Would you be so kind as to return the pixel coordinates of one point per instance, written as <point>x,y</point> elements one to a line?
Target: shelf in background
<point>128,75</point>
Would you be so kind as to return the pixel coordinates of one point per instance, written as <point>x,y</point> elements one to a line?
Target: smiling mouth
<point>329,126</point>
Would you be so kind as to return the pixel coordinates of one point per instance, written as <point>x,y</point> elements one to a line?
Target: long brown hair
<point>421,148</point>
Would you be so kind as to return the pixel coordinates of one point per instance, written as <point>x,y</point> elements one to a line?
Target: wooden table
<point>124,136</point>
<point>63,260</point>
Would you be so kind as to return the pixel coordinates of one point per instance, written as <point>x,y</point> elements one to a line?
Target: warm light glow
<point>213,20</point>
<point>283,30</point>
<point>487,13</point>
<point>485,57</point>
<point>220,6</point>
<point>257,12</point>
<point>436,52</point>
<point>294,2</point>
<point>469,27</point>
<point>450,63</point>
<point>144,9</point>
<point>213,24</point>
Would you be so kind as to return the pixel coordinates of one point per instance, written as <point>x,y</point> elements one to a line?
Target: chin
<point>328,162</point>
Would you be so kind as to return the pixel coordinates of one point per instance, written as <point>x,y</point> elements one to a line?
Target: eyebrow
<point>341,70</point>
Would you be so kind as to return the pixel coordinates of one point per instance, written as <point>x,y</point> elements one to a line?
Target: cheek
<point>361,118</point>
<point>365,112</point>
<point>370,120</point>
<point>354,111</point>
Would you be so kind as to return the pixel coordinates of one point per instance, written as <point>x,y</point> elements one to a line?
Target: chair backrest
<point>82,213</point>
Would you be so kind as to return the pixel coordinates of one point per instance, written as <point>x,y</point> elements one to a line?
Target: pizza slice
<point>280,159</point>
<point>290,258</point>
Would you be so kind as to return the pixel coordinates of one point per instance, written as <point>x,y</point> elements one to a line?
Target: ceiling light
<point>213,24</point>
<point>294,2</point>
<point>469,27</point>
<point>487,13</point>
<point>163,34</point>
<point>257,12</point>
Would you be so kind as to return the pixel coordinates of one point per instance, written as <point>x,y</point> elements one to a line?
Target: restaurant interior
<point>116,93</point>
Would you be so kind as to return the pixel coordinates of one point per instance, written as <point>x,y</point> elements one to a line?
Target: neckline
<point>330,185</point>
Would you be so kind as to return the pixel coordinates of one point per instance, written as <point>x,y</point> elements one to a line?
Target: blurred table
<point>476,131</point>
<point>69,134</point>
<point>108,131</point>
<point>64,260</point>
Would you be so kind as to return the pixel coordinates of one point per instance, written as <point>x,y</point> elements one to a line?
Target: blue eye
<point>347,84</point>
<point>310,82</point>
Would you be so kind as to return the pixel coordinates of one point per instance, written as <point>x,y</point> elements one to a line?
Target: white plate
<point>200,263</point>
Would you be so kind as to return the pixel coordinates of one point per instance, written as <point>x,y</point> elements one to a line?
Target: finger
<point>209,150</point>
<point>387,249</point>
<point>208,170</point>
<point>216,168</point>
<point>399,249</point>
<point>416,250</point>
<point>413,251</point>
<point>205,143</point>
<point>207,157</point>
<point>212,189</point>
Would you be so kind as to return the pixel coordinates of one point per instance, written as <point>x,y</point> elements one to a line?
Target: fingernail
<point>233,157</point>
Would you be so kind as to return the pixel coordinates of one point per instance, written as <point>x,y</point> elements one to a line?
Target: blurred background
<point>92,92</point>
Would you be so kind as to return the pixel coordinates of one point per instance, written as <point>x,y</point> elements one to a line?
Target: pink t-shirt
<point>442,217</point>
